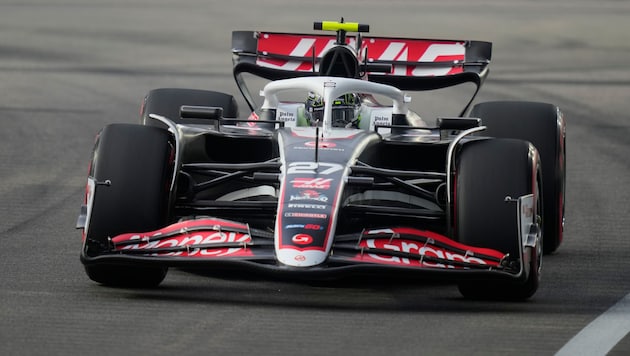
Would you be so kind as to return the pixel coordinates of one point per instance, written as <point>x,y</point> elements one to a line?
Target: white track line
<point>603,333</point>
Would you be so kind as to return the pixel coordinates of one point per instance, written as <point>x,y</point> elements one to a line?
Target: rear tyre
<point>487,172</point>
<point>167,102</point>
<point>543,125</point>
<point>137,161</point>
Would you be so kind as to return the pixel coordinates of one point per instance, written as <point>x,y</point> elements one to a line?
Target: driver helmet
<point>344,110</point>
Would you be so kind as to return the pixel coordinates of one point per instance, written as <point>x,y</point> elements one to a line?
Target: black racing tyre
<point>136,161</point>
<point>487,172</point>
<point>167,102</point>
<point>543,125</point>
<point>126,276</point>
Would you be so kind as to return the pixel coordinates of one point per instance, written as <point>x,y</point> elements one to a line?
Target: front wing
<point>209,242</point>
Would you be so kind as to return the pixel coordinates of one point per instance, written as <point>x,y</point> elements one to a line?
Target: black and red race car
<point>331,175</point>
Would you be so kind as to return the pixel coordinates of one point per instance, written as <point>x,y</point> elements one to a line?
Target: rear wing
<point>410,64</point>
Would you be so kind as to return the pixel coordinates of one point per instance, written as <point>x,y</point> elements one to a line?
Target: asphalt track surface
<point>69,67</point>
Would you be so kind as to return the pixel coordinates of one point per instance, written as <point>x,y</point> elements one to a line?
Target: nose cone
<point>301,258</point>
<point>310,191</point>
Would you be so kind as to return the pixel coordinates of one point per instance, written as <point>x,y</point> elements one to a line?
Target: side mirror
<point>200,112</point>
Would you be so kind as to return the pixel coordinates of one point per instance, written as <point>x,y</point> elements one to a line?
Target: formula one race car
<point>345,181</point>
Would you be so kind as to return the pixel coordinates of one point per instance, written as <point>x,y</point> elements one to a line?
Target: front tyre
<point>488,171</point>
<point>126,276</point>
<point>136,161</point>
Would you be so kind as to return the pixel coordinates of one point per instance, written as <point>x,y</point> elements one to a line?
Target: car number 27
<point>322,168</point>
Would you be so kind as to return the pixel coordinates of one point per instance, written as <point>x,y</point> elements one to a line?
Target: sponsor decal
<point>300,258</point>
<point>305,226</point>
<point>252,116</point>
<point>308,206</point>
<point>526,207</point>
<point>527,211</point>
<point>286,116</point>
<point>309,132</point>
<point>417,51</point>
<point>313,227</point>
<point>381,120</point>
<point>302,239</point>
<point>311,183</point>
<point>403,51</point>
<point>322,145</point>
<point>434,245</point>
<point>191,241</point>
<point>323,149</point>
<point>380,117</point>
<point>309,194</point>
<point>293,45</point>
<point>305,215</point>
<point>420,249</point>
